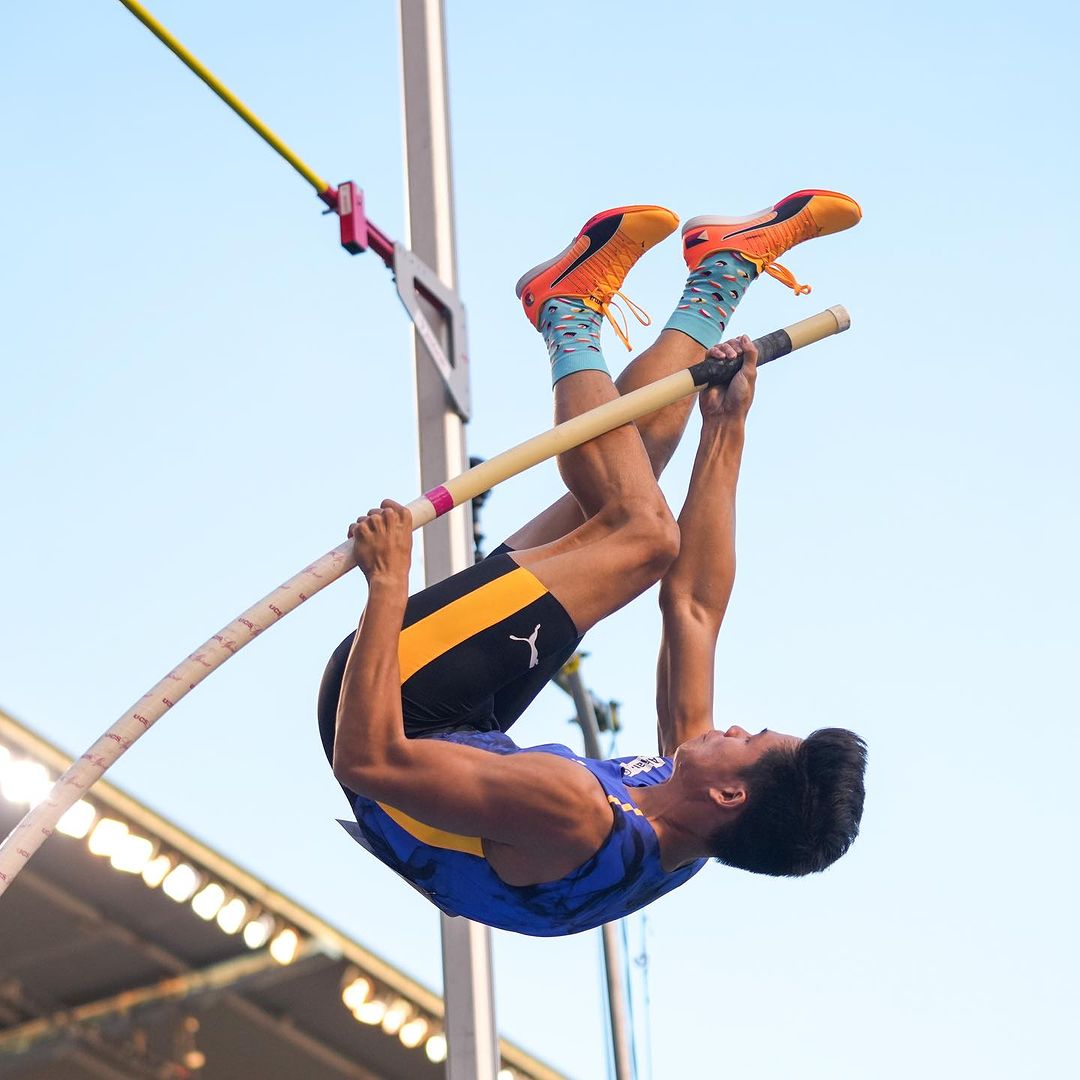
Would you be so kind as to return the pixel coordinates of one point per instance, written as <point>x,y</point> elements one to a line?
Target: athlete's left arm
<point>695,591</point>
<point>529,800</point>
<point>369,718</point>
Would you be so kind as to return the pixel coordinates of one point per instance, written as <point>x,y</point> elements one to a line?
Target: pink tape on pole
<point>441,499</point>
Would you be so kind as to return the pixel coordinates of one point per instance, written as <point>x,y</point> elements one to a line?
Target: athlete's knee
<point>657,536</point>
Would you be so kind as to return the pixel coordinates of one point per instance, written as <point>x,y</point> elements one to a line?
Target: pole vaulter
<point>38,824</point>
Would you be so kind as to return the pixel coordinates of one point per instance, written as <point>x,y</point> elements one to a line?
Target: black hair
<point>803,807</point>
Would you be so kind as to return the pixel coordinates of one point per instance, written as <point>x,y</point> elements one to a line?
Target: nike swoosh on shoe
<point>597,236</point>
<point>786,211</point>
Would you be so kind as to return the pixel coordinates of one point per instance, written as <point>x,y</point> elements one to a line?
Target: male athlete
<point>415,705</point>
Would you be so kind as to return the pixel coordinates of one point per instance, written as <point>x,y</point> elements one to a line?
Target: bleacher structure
<point>130,950</point>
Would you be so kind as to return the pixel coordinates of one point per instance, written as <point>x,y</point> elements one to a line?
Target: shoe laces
<point>609,308</point>
<point>786,277</point>
<point>622,259</point>
<point>784,235</point>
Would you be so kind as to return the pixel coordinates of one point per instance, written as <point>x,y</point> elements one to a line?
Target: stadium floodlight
<point>107,836</point>
<point>156,870</point>
<point>257,932</point>
<point>371,1012</point>
<point>181,882</point>
<point>283,947</point>
<point>435,1048</point>
<point>231,917</point>
<point>76,822</point>
<point>24,782</point>
<point>207,903</point>
<point>132,854</point>
<point>413,1031</point>
<point>356,992</point>
<point>397,1012</point>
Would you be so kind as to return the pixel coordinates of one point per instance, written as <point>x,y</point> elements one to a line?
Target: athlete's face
<point>722,758</point>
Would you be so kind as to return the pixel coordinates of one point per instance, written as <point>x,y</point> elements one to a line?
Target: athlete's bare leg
<point>629,536</point>
<point>660,432</point>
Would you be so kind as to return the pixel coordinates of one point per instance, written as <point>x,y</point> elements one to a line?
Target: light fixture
<point>154,872</point>
<point>107,836</point>
<point>435,1048</point>
<point>5,759</point>
<point>132,854</point>
<point>257,932</point>
<point>207,903</point>
<point>76,821</point>
<point>24,782</point>
<point>356,992</point>
<point>413,1031</point>
<point>181,882</point>
<point>371,1012</point>
<point>283,947</point>
<point>231,917</point>
<point>397,1012</point>
<point>507,1074</point>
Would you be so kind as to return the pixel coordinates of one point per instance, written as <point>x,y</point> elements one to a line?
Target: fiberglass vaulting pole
<point>467,976</point>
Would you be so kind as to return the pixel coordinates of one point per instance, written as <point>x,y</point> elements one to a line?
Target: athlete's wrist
<point>724,432</point>
<point>388,585</point>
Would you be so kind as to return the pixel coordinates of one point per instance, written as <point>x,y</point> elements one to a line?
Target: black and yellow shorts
<point>475,649</point>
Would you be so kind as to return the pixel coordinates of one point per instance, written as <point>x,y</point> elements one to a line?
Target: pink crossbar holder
<point>352,219</point>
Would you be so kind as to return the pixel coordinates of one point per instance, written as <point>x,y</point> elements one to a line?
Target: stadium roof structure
<point>130,950</point>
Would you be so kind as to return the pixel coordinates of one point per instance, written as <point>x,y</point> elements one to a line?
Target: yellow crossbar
<point>226,95</point>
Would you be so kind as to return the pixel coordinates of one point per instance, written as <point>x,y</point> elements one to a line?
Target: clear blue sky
<point>200,390</point>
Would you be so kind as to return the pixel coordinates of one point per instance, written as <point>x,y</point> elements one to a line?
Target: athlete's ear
<point>727,799</point>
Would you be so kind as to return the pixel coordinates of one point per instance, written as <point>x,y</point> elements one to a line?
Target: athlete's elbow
<point>351,774</point>
<point>367,770</point>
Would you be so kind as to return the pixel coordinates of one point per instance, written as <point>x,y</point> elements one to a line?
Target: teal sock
<point>712,293</point>
<point>572,333</point>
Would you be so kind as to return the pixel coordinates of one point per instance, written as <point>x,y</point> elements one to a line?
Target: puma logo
<point>534,657</point>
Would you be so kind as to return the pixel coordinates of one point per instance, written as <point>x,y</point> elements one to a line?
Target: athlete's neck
<point>671,815</point>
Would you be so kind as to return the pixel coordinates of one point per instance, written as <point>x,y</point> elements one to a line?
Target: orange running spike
<point>765,236</point>
<point>592,268</point>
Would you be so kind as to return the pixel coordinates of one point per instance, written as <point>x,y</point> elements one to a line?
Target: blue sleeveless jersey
<point>450,870</point>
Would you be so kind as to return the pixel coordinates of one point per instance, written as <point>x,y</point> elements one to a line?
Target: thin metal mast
<point>466,946</point>
<point>570,680</point>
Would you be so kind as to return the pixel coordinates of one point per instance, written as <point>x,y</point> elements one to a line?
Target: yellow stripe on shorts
<point>429,638</point>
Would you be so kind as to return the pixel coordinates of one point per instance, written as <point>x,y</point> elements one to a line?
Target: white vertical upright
<point>467,977</point>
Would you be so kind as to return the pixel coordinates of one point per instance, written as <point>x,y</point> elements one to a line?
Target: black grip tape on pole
<point>720,371</point>
<point>772,346</point>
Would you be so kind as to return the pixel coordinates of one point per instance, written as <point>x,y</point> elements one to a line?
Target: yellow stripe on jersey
<point>429,638</point>
<point>630,808</point>
<point>427,834</point>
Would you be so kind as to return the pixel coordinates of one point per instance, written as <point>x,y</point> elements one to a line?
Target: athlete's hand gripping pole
<point>36,827</point>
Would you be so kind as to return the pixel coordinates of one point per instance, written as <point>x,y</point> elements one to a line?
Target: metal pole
<point>620,1024</point>
<point>466,947</point>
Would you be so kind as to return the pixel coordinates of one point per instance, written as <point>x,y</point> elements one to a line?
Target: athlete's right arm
<point>695,591</point>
